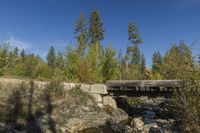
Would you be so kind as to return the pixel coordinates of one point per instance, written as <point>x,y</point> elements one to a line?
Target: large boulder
<point>109,101</point>
<point>137,124</point>
<point>95,89</point>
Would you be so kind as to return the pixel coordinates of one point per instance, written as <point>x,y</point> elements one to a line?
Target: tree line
<point>89,61</point>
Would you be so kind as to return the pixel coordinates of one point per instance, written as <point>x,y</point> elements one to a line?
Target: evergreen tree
<point>22,54</point>
<point>80,25</point>
<point>15,52</point>
<point>60,61</point>
<point>143,64</point>
<point>136,55</point>
<point>81,34</point>
<point>135,39</point>
<point>120,56</point>
<point>133,35</point>
<point>51,58</point>
<point>157,62</point>
<point>72,64</point>
<point>3,57</point>
<point>120,64</point>
<point>96,30</point>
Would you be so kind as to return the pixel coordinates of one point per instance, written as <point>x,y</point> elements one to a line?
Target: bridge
<point>137,88</point>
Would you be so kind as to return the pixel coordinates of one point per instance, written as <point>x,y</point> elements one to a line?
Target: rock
<point>171,121</point>
<point>148,126</point>
<point>128,129</point>
<point>78,124</point>
<point>2,127</point>
<point>162,122</point>
<point>116,127</point>
<point>137,124</point>
<point>109,101</point>
<point>100,105</point>
<point>97,98</point>
<point>95,89</point>
<point>75,124</point>
<point>118,115</point>
<point>154,130</point>
<point>2,124</point>
<point>47,131</point>
<point>63,129</point>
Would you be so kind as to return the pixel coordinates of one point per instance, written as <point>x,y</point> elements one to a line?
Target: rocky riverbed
<point>149,116</point>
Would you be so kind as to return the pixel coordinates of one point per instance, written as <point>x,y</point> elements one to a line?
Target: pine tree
<point>136,55</point>
<point>15,52</point>
<point>80,25</point>
<point>51,58</point>
<point>81,34</point>
<point>143,64</point>
<point>96,30</point>
<point>60,61</point>
<point>157,62</point>
<point>133,35</point>
<point>22,54</point>
<point>72,63</point>
<point>120,64</point>
<point>120,56</point>
<point>135,39</point>
<point>3,57</point>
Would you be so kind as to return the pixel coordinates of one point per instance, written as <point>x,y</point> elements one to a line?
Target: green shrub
<point>186,102</point>
<point>55,88</point>
<point>131,101</point>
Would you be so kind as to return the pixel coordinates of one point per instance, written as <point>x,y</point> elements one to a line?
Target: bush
<point>186,102</point>
<point>55,88</point>
<point>132,101</point>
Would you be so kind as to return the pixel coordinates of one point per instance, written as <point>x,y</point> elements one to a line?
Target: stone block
<point>109,101</point>
<point>95,89</point>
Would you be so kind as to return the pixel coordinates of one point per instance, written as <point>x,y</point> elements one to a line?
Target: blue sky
<point>38,24</point>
